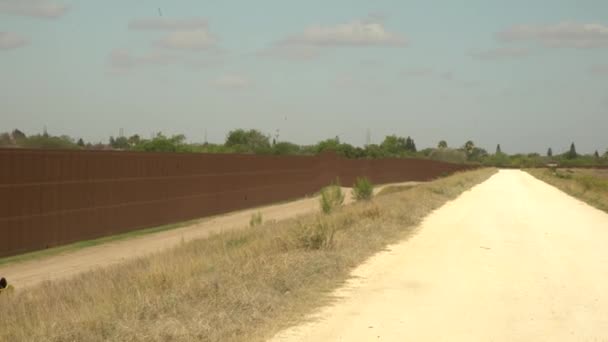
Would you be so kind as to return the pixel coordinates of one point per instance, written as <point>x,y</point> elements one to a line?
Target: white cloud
<point>199,39</point>
<point>168,24</point>
<point>565,34</point>
<point>367,32</point>
<point>501,53</point>
<point>33,8</point>
<point>10,40</point>
<point>233,82</point>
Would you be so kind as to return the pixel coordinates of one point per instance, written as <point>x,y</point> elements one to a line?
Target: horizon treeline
<point>255,142</point>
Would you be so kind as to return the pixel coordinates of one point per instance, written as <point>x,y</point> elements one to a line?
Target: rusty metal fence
<point>50,198</point>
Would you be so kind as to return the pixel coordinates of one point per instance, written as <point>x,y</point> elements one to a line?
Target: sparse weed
<point>331,197</point>
<point>318,234</point>
<point>256,219</point>
<point>363,189</point>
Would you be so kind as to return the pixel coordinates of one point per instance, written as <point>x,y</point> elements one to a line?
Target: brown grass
<point>235,286</point>
<point>589,185</point>
<point>395,188</point>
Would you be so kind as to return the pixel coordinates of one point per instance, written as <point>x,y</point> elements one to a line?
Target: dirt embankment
<point>24,274</point>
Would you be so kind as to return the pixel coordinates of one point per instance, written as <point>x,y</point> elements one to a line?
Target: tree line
<point>255,142</point>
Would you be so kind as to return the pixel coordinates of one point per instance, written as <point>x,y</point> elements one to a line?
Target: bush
<point>331,197</point>
<point>448,155</point>
<point>256,219</point>
<point>363,189</point>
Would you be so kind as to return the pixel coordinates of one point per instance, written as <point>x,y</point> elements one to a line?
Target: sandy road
<point>29,273</point>
<point>514,259</point>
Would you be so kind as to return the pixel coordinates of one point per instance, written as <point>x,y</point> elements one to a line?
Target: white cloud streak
<point>33,8</point>
<point>564,35</point>
<point>356,33</point>
<point>199,39</point>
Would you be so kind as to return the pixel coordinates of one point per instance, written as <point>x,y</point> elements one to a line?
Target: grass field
<point>235,286</point>
<point>589,185</point>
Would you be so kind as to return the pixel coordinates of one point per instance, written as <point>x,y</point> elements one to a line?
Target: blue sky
<point>526,74</point>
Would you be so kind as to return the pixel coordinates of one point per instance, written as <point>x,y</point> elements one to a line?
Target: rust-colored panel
<point>50,198</point>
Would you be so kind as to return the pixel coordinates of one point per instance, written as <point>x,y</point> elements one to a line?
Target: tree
<point>285,148</point>
<point>468,147</point>
<point>80,143</point>
<point>410,145</point>
<point>572,153</point>
<point>50,142</point>
<point>442,144</point>
<point>327,145</point>
<point>596,155</point>
<point>374,151</point>
<point>134,140</point>
<point>18,136</point>
<point>394,145</point>
<point>498,150</point>
<point>161,143</point>
<point>120,143</point>
<point>449,155</point>
<point>549,152</point>
<point>5,139</point>
<point>248,141</point>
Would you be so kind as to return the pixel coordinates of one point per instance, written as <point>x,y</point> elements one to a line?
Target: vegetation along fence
<point>50,198</point>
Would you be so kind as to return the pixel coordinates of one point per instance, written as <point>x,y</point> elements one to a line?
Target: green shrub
<point>448,155</point>
<point>256,219</point>
<point>363,189</point>
<point>331,197</point>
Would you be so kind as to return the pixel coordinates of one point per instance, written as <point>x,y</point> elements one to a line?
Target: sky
<point>528,75</point>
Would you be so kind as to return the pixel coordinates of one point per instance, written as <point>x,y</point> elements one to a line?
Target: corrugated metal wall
<point>50,198</point>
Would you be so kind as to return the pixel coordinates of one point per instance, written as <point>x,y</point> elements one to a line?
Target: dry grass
<point>395,188</point>
<point>235,286</point>
<point>589,185</point>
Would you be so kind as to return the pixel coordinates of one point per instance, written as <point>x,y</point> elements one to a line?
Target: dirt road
<point>33,272</point>
<point>512,260</point>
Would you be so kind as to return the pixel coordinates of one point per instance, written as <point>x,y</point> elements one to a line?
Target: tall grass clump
<point>256,219</point>
<point>363,189</point>
<point>316,235</point>
<point>331,197</point>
